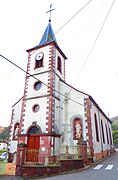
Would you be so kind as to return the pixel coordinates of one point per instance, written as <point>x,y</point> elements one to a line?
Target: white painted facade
<point>16,113</point>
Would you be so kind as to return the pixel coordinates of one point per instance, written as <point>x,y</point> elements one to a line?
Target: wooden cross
<point>50,12</point>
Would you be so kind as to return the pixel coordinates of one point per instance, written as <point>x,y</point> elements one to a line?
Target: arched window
<point>96,128</point>
<point>110,136</point>
<point>34,130</point>
<point>102,132</point>
<point>59,64</point>
<point>107,134</point>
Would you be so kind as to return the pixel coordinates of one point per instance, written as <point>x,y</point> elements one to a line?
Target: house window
<point>107,134</point>
<point>102,132</point>
<point>37,85</point>
<point>96,128</point>
<point>59,64</point>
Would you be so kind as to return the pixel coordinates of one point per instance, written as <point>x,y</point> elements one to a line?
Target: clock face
<point>39,56</point>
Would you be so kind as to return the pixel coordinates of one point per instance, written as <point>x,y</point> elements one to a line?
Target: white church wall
<point>70,111</point>
<point>57,117</point>
<point>57,147</point>
<point>13,146</point>
<point>105,122</point>
<point>57,87</point>
<point>39,117</point>
<point>15,119</point>
<point>31,92</point>
<point>17,111</point>
<point>98,146</point>
<point>60,74</point>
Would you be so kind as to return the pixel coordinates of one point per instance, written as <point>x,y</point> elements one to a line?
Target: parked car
<point>3,156</point>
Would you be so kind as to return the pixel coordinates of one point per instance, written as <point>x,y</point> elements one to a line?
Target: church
<point>54,126</point>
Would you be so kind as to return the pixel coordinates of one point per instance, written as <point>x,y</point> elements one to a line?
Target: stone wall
<point>36,170</point>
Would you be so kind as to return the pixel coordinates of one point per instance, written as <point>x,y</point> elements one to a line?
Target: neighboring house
<point>3,145</point>
<point>53,120</point>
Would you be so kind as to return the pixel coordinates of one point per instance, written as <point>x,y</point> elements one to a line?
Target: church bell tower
<point>39,122</point>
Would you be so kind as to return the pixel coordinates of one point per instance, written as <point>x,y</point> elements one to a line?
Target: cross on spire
<point>50,12</point>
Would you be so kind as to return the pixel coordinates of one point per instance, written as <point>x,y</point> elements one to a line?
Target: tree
<point>5,133</point>
<point>115,132</point>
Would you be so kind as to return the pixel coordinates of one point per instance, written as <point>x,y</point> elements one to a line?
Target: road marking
<point>98,166</point>
<point>109,167</point>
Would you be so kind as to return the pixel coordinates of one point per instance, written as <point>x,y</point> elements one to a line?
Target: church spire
<point>48,35</point>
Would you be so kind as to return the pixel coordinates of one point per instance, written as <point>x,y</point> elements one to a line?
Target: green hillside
<point>115,132</point>
<point>4,134</point>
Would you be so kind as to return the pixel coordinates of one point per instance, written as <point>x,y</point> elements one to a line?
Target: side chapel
<point>53,120</point>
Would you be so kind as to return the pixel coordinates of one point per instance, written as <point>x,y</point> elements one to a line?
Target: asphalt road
<point>104,170</point>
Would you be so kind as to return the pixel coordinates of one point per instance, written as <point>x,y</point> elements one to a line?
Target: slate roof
<point>48,35</point>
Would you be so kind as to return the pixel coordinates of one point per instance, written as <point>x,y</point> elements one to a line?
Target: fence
<point>65,152</point>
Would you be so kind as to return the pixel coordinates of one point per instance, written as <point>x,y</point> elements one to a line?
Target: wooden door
<point>32,148</point>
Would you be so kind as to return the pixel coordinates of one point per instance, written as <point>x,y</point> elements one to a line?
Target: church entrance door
<point>33,145</point>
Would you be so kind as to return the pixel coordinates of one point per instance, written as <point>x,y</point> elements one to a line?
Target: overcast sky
<point>22,24</point>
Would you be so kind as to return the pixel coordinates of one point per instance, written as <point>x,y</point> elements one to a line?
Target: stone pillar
<point>85,152</point>
<point>82,150</point>
<point>21,156</point>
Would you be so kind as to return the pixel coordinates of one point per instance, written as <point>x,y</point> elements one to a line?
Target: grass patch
<point>2,167</point>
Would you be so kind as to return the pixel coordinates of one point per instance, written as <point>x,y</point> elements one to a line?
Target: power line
<point>85,60</point>
<point>36,50</point>
<point>38,79</point>
<point>71,18</point>
<point>96,39</point>
<point>11,72</point>
<point>74,16</point>
<point>97,36</point>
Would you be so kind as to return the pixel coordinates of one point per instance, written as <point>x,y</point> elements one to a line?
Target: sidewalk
<point>7,171</point>
<point>10,178</point>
